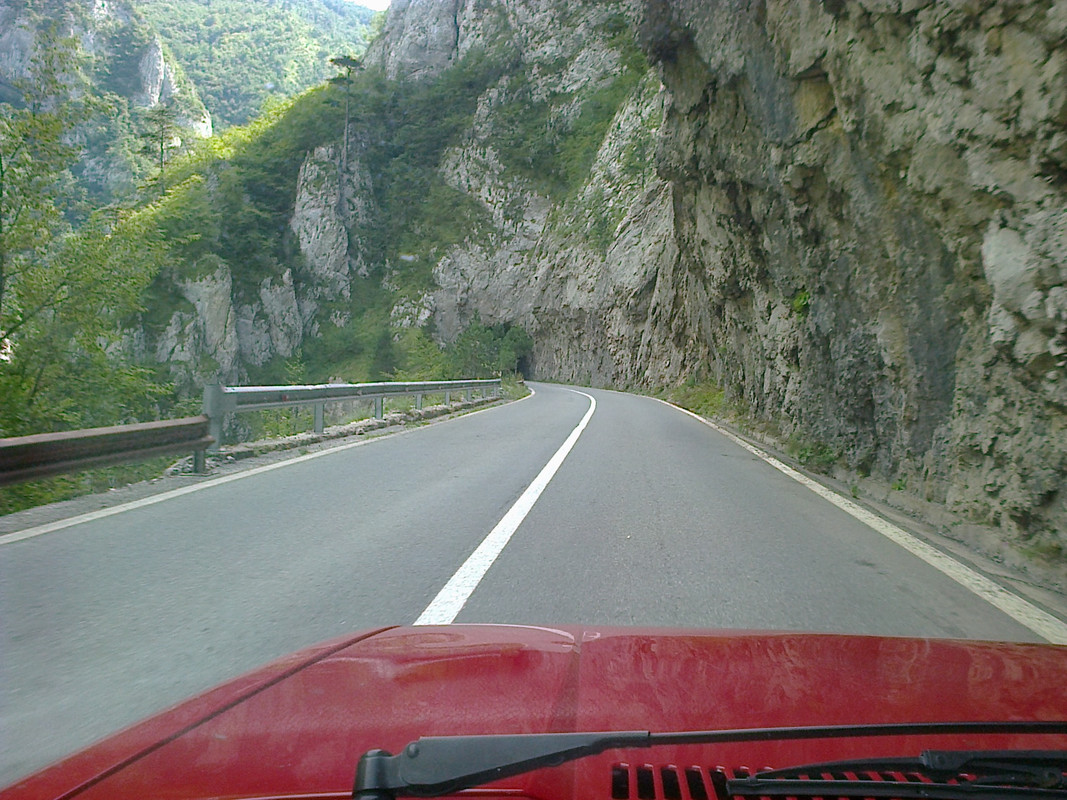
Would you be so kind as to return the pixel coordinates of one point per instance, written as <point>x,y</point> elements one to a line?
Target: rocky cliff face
<point>870,197</point>
<point>850,213</point>
<point>579,268</point>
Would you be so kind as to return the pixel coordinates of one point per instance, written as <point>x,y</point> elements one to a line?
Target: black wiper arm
<point>437,765</point>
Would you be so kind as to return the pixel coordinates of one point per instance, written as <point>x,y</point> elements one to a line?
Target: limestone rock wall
<point>870,196</point>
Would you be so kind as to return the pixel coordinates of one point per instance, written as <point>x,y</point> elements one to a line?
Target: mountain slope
<point>127,69</point>
<point>240,52</point>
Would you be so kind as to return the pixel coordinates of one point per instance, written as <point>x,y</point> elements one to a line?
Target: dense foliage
<point>63,290</point>
<point>239,53</point>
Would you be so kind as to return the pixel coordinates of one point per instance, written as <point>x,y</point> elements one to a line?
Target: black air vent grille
<point>662,782</point>
<point>671,782</point>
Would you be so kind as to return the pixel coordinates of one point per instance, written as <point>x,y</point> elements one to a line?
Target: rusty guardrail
<point>25,458</point>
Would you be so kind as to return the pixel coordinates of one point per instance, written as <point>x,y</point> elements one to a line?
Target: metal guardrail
<point>26,458</point>
<point>221,400</point>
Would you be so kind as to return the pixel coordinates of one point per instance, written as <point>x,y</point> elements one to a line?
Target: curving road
<point>653,518</point>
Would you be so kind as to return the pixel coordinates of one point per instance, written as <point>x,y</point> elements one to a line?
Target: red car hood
<point>298,726</point>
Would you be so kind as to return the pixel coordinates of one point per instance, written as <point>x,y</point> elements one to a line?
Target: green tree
<point>515,346</point>
<point>64,292</point>
<point>35,159</point>
<point>162,136</point>
<point>64,367</point>
<point>481,351</point>
<point>350,65</point>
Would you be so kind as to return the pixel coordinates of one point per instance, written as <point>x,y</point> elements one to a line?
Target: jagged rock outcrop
<point>422,38</point>
<point>578,270</point>
<point>209,326</point>
<point>334,201</point>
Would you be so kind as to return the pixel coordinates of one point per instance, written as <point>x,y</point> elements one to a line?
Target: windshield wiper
<point>935,774</point>
<point>438,765</point>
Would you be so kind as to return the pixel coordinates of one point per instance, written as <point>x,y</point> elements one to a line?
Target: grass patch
<point>1046,551</point>
<point>812,453</point>
<point>704,398</point>
<point>513,387</point>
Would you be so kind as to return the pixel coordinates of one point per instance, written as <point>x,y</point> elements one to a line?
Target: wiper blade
<point>754,787</point>
<point>935,774</point>
<point>438,765</point>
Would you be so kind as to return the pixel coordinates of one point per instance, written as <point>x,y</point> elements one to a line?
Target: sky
<point>377,5</point>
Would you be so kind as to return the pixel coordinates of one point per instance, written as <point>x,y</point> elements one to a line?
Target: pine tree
<point>162,137</point>
<point>350,65</point>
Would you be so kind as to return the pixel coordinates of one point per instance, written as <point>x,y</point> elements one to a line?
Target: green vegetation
<point>64,487</point>
<point>240,53</point>
<point>1049,552</point>
<point>124,141</point>
<point>813,454</point>
<point>63,292</point>
<point>552,142</point>
<point>701,397</point>
<point>514,387</point>
<point>801,303</point>
<point>231,197</point>
<point>484,352</point>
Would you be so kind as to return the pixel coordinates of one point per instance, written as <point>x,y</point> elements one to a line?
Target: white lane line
<point>60,524</point>
<point>1022,611</point>
<point>451,599</point>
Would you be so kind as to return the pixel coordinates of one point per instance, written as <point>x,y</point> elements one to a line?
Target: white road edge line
<point>60,524</point>
<point>1022,611</point>
<point>443,609</point>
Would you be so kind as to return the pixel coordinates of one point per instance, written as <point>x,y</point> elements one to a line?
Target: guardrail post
<point>418,402</point>
<point>470,394</point>
<point>213,407</point>
<point>379,408</point>
<point>448,398</point>
<point>320,417</point>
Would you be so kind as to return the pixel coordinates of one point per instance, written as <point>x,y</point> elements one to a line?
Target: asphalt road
<point>652,519</point>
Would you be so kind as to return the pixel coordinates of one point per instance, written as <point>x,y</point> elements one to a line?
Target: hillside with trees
<point>239,53</point>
